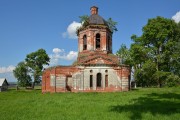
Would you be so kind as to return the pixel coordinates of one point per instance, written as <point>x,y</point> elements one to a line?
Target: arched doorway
<point>69,82</point>
<point>99,80</point>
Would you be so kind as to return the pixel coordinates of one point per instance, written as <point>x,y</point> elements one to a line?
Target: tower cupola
<point>95,35</point>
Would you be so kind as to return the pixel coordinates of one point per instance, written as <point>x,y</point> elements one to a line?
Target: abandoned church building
<point>96,68</point>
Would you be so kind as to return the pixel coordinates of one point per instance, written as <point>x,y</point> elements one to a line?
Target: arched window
<point>99,80</point>
<point>98,41</point>
<point>84,42</point>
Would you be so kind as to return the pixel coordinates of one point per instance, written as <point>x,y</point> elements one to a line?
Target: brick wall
<point>77,79</point>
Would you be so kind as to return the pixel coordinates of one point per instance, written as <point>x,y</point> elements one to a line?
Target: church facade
<point>96,68</point>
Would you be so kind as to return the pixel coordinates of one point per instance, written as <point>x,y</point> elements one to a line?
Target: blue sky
<point>27,25</point>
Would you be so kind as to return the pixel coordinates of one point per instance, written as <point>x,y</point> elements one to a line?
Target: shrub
<point>172,80</point>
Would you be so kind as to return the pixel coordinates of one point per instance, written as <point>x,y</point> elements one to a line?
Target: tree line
<point>154,57</point>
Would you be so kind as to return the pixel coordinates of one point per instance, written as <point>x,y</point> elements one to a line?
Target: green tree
<point>160,77</point>
<point>147,72</point>
<point>158,44</point>
<point>161,35</point>
<point>123,54</point>
<point>175,61</point>
<point>172,80</point>
<point>35,61</point>
<point>112,25</point>
<point>21,73</point>
<point>84,20</point>
<point>134,57</point>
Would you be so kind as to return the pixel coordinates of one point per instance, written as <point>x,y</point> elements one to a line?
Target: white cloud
<point>71,30</point>
<point>72,55</point>
<point>57,50</point>
<point>9,76</point>
<point>60,54</point>
<point>7,69</point>
<point>176,17</point>
<point>7,72</point>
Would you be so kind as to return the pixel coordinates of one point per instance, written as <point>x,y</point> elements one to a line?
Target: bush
<point>172,80</point>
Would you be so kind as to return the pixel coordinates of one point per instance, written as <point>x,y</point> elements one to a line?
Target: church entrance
<point>69,82</point>
<point>99,80</point>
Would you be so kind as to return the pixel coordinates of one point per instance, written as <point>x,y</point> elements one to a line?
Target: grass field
<point>139,104</point>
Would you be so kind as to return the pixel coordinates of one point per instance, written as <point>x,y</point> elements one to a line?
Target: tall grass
<point>147,104</point>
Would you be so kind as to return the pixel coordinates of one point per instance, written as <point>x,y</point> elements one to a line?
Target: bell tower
<point>95,42</point>
<point>96,35</point>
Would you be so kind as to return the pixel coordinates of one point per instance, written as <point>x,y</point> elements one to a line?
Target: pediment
<point>99,60</point>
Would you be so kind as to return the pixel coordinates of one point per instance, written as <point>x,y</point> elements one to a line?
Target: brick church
<point>96,68</point>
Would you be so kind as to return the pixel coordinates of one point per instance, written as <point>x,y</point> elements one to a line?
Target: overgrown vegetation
<point>84,20</point>
<point>155,55</point>
<point>139,104</point>
<point>112,25</point>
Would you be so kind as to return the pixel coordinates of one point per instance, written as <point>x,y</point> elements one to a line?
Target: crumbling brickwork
<point>96,69</point>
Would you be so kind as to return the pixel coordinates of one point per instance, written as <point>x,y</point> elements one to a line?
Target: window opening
<point>98,41</point>
<point>84,42</point>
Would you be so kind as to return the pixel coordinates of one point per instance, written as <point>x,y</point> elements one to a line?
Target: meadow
<point>138,104</point>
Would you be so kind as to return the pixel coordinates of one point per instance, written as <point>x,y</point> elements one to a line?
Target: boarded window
<point>52,80</point>
<point>60,81</point>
